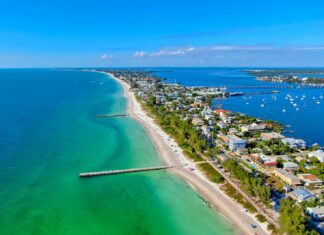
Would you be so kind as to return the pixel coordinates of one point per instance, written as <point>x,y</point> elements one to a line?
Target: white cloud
<point>310,48</point>
<point>107,56</point>
<point>243,48</point>
<point>181,51</point>
<point>139,54</point>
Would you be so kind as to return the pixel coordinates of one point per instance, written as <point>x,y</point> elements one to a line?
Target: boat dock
<point>110,115</point>
<point>131,170</point>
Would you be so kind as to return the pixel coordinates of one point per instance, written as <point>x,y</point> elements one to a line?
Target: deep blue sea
<point>304,120</point>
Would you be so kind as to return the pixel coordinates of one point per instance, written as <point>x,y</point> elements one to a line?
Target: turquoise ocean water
<point>48,135</point>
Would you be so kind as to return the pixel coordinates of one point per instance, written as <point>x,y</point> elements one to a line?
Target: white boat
<point>262,105</point>
<point>318,102</point>
<point>295,105</point>
<point>283,110</point>
<point>321,97</point>
<point>297,109</point>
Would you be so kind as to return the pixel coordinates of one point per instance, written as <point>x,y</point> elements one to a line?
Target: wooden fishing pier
<point>110,115</point>
<point>131,170</point>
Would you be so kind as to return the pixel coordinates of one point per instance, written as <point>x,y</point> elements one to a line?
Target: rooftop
<point>302,193</point>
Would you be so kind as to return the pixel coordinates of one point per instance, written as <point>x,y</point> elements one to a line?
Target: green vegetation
<point>233,193</point>
<point>250,184</point>
<point>211,173</point>
<point>292,219</point>
<point>276,183</point>
<point>181,130</point>
<point>261,218</point>
<point>271,147</point>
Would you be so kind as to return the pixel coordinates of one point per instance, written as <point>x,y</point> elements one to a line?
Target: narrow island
<point>299,77</point>
<point>244,167</point>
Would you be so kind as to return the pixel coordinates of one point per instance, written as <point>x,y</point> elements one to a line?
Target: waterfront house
<point>294,143</point>
<point>290,166</point>
<point>301,195</point>
<point>271,136</point>
<point>222,112</point>
<point>286,177</point>
<point>317,213</point>
<point>319,154</point>
<point>253,127</point>
<point>268,125</point>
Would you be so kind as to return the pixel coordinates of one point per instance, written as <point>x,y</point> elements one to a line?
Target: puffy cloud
<point>239,48</point>
<point>310,48</point>
<point>139,54</point>
<point>107,56</point>
<point>181,51</point>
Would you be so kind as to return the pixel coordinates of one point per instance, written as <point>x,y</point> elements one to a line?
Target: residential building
<point>197,122</point>
<point>232,131</point>
<point>264,163</point>
<point>310,179</point>
<point>221,125</point>
<point>235,142</point>
<point>317,213</point>
<point>286,177</point>
<point>253,127</point>
<point>222,112</point>
<point>290,166</point>
<point>319,154</point>
<point>294,143</point>
<point>271,136</point>
<point>301,195</point>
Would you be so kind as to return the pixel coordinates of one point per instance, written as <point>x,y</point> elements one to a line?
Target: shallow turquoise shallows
<point>48,135</point>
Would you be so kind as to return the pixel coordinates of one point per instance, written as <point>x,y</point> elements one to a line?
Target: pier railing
<point>123,171</point>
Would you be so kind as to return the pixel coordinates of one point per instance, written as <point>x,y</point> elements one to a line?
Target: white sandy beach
<point>171,153</point>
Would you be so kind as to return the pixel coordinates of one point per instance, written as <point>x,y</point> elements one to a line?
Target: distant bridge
<point>321,86</point>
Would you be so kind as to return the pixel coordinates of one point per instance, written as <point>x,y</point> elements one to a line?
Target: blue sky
<point>161,33</point>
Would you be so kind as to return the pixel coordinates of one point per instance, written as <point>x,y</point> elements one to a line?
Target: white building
<point>319,154</point>
<point>294,143</point>
<point>253,127</point>
<point>317,212</point>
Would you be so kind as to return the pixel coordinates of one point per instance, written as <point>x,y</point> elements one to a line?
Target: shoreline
<point>171,153</point>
